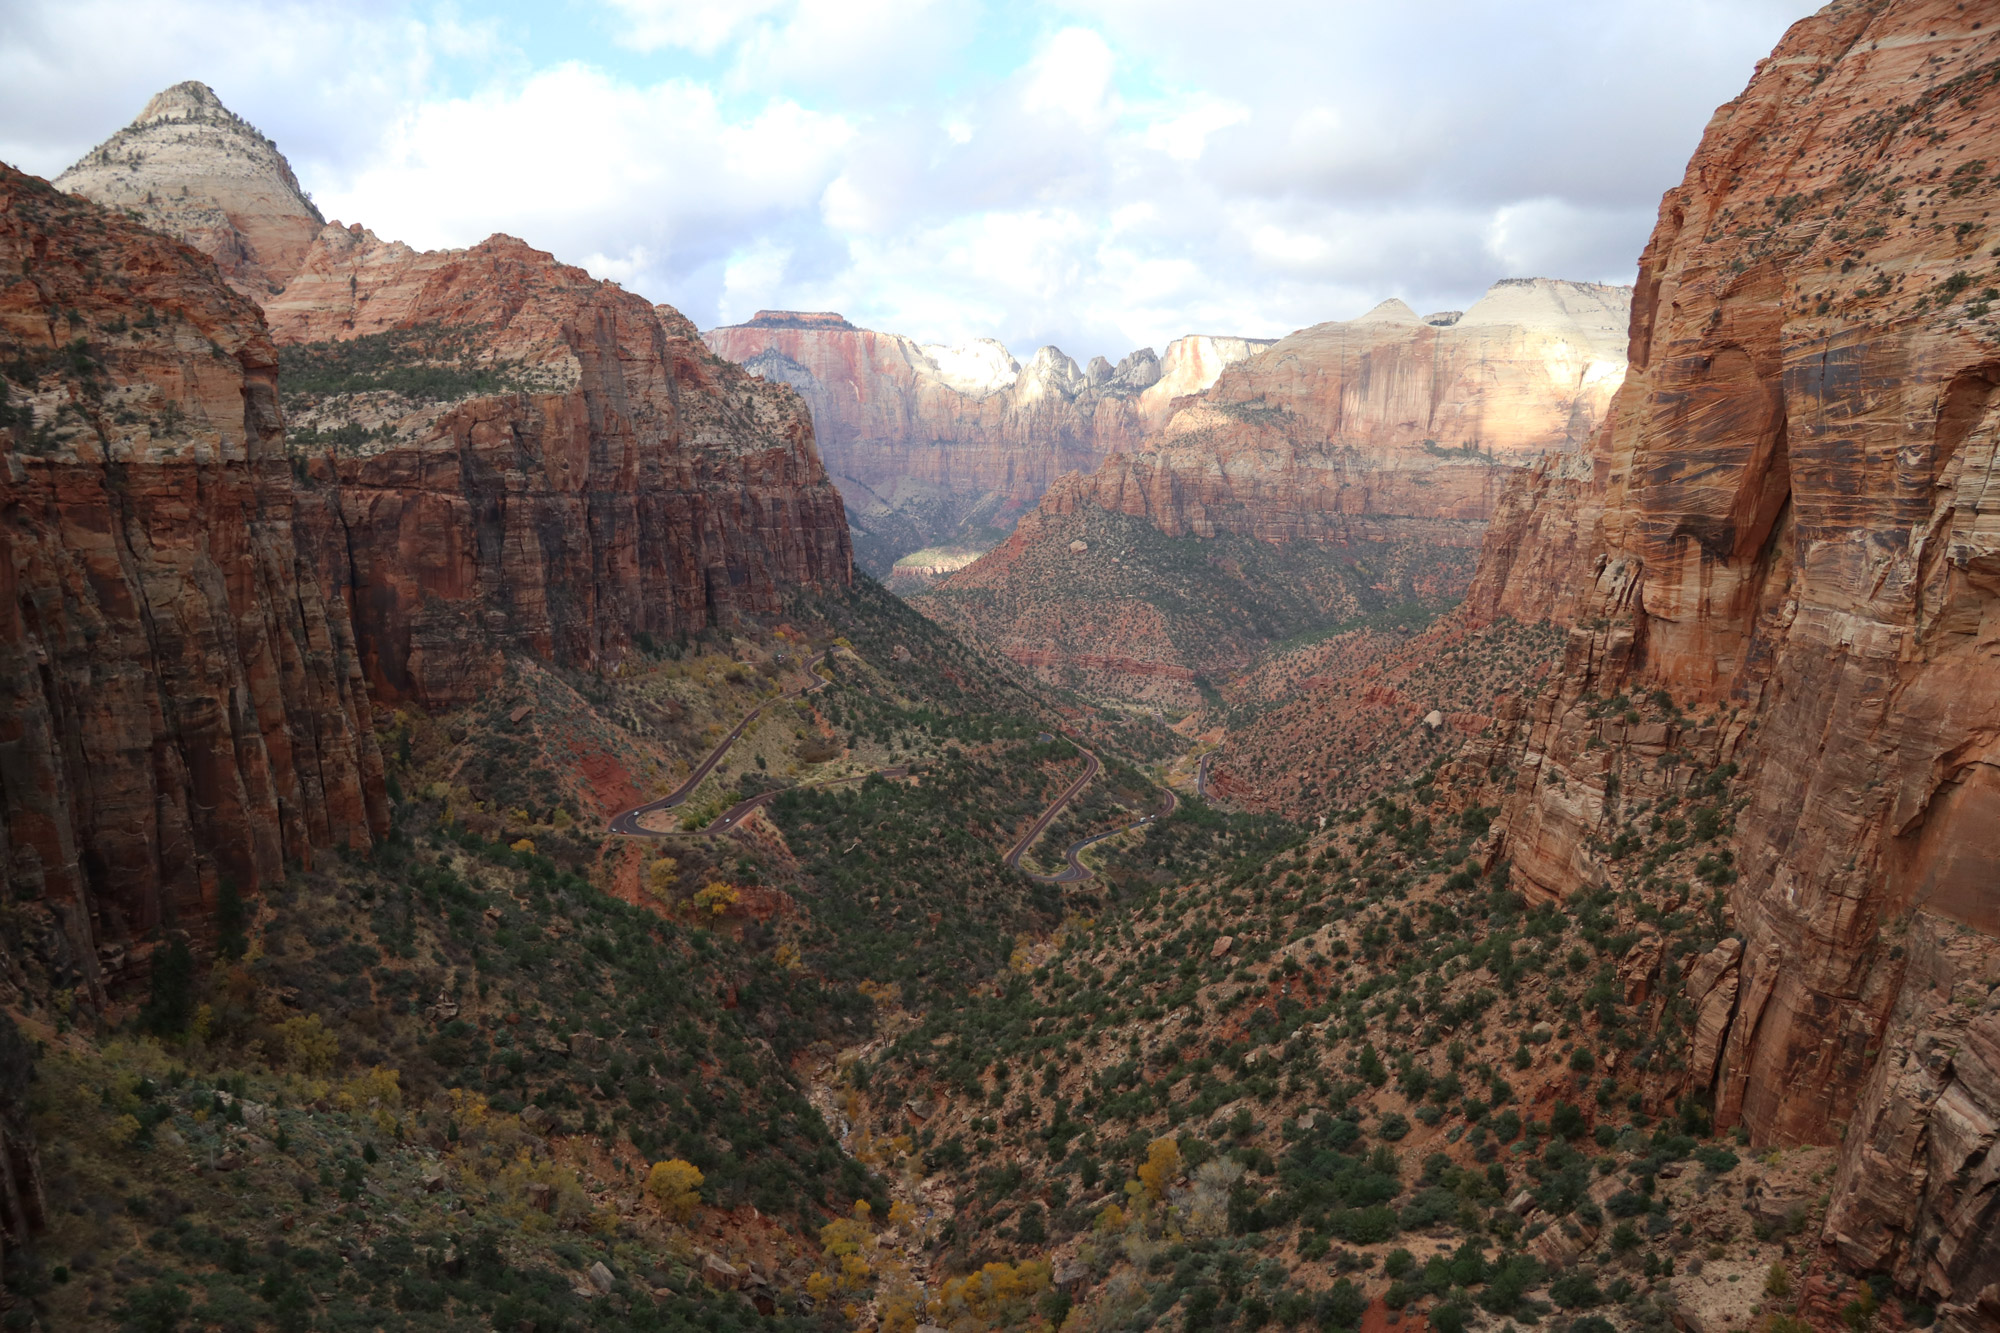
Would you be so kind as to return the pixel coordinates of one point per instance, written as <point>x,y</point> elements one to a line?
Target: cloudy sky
<point>1099,174</point>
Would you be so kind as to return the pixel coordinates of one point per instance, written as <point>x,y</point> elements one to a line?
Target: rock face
<point>933,444</point>
<point>499,453</point>
<point>190,167</point>
<point>1789,514</point>
<point>1386,440</point>
<point>180,706</point>
<point>577,469</point>
<point>1385,417</point>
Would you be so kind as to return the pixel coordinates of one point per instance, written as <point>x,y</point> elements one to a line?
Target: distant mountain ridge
<point>1389,437</point>
<point>935,445</point>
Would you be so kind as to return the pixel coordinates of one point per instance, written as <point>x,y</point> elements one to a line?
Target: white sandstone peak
<point>1554,303</point>
<point>1395,310</point>
<point>1049,370</point>
<point>980,367</point>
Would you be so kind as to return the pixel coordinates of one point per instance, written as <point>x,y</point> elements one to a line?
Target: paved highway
<point>1075,872</point>
<point>627,823</point>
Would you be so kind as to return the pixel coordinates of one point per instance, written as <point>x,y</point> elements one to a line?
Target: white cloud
<point>1095,173</point>
<point>1071,77</point>
<point>702,26</point>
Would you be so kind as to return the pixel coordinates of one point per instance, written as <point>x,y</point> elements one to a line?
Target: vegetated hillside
<point>1346,1070</point>
<point>427,1087</point>
<point>1109,606</point>
<point>1337,718</point>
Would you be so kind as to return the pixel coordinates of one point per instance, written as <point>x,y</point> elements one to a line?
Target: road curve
<point>1201,774</point>
<point>1076,872</point>
<point>1047,817</point>
<point>627,822</point>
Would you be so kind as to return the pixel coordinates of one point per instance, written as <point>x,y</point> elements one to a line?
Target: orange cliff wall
<point>636,483</point>
<point>1349,428</point>
<point>1787,515</point>
<point>179,703</point>
<point>887,419</point>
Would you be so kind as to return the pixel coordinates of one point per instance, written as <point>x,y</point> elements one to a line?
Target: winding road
<point>1076,872</point>
<point>626,823</point>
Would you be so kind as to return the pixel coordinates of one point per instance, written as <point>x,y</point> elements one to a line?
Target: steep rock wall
<point>1787,515</point>
<point>179,704</point>
<point>589,471</point>
<point>927,441</point>
<point>1387,416</point>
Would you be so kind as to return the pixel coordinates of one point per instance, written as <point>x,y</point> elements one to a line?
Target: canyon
<point>947,446</point>
<point>1379,446</point>
<point>1602,680</point>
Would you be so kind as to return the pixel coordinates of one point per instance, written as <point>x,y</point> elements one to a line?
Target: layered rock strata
<point>190,167</point>
<point>499,452</point>
<point>932,443</point>
<point>1389,416</point>
<point>180,706</point>
<point>1388,438</point>
<point>1787,519</point>
<point>576,470</point>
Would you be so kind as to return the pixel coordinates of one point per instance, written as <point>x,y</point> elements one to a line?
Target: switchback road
<point>627,823</point>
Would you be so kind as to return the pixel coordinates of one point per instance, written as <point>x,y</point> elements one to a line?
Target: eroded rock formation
<point>497,452</point>
<point>190,167</point>
<point>932,443</point>
<point>1387,439</point>
<point>180,705</point>
<point>551,464</point>
<point>1788,516</point>
<point>1388,416</point>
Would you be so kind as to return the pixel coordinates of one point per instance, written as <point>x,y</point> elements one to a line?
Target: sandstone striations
<point>500,452</point>
<point>181,709</point>
<point>190,167</point>
<point>1787,518</point>
<point>1386,440</point>
<point>934,444</point>
<point>508,455</point>
<point>1383,417</point>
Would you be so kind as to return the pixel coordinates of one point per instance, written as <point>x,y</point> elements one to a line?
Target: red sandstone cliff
<point>179,704</point>
<point>499,452</point>
<point>927,442</point>
<point>584,471</point>
<point>1788,516</point>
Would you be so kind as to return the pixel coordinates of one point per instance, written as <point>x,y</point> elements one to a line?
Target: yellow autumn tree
<point>309,1046</point>
<point>843,1240</point>
<point>716,899</point>
<point>1161,1168</point>
<point>662,876</point>
<point>675,1186</point>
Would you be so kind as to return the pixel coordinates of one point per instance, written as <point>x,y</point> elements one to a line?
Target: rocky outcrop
<point>1785,527</point>
<point>190,167</point>
<point>935,444</point>
<point>1387,439</point>
<point>549,464</point>
<point>1384,417</point>
<point>180,706</point>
